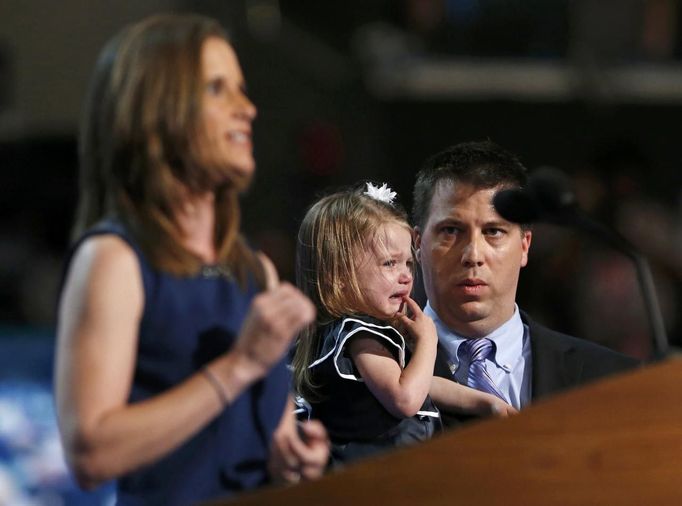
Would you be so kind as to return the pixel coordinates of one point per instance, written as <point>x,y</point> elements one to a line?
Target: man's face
<point>470,258</point>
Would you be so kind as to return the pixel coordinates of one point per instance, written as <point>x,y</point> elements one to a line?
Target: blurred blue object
<point>32,467</point>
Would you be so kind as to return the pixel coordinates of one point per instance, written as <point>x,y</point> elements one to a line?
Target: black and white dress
<point>357,423</point>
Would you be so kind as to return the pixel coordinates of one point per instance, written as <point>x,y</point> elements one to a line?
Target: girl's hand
<point>419,326</point>
<point>485,404</point>
<point>500,409</point>
<point>452,397</point>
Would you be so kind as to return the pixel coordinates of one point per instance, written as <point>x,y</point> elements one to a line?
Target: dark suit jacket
<point>559,362</point>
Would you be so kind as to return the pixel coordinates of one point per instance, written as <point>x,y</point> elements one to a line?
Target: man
<point>471,259</point>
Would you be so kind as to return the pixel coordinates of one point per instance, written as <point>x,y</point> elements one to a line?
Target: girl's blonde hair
<point>332,235</point>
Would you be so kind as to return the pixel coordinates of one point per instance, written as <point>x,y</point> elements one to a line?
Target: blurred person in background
<point>172,332</point>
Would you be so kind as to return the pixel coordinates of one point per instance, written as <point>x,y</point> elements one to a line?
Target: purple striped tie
<point>474,352</point>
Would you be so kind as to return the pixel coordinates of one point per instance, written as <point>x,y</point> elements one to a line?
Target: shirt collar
<point>506,338</point>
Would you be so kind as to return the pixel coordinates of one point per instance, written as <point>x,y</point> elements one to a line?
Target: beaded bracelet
<point>217,386</point>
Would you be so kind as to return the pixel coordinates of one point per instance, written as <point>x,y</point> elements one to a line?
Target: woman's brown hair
<point>138,145</point>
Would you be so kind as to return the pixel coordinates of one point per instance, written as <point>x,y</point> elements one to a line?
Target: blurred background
<point>349,91</point>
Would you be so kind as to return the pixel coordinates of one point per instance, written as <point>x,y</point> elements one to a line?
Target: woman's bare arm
<point>104,436</point>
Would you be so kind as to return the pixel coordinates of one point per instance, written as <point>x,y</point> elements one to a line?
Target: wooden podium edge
<point>615,441</point>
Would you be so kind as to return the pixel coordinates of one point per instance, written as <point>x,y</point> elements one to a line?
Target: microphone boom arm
<point>644,276</point>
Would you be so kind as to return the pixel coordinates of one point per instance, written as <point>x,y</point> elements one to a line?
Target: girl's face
<point>385,270</point>
<point>226,111</point>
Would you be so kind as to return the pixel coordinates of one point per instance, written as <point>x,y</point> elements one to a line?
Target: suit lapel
<point>441,367</point>
<point>555,364</point>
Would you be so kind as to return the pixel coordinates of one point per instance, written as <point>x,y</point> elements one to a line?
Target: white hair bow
<point>383,193</point>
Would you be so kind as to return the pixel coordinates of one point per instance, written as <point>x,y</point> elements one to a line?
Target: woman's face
<point>226,111</point>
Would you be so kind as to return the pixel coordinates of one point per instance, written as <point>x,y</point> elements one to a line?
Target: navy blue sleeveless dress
<point>187,322</point>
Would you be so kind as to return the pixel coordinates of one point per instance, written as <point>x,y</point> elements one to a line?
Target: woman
<point>171,330</point>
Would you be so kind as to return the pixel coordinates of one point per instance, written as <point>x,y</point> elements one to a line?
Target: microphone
<point>549,197</point>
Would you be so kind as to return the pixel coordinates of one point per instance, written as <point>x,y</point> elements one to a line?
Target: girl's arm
<point>453,397</point>
<point>400,391</point>
<point>100,310</point>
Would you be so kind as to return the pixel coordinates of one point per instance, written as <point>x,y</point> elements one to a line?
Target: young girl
<point>355,261</point>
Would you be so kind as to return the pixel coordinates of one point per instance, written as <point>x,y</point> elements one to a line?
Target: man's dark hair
<point>481,164</point>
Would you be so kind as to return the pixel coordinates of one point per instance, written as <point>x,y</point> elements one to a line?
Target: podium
<point>614,442</point>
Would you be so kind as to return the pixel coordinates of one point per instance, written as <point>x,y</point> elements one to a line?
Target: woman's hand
<point>275,317</point>
<point>299,450</point>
